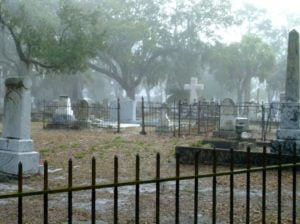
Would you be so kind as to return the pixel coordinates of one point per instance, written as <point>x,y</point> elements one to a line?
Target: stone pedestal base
<point>16,145</point>
<point>13,151</point>
<point>286,146</point>
<point>9,162</point>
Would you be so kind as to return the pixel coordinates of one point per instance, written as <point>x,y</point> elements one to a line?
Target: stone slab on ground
<point>187,156</point>
<point>286,146</point>
<point>288,134</point>
<point>225,134</point>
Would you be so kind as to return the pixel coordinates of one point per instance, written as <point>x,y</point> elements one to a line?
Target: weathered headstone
<point>64,114</point>
<point>15,144</point>
<point>289,131</point>
<point>164,122</point>
<point>228,115</point>
<point>82,113</point>
<point>193,87</point>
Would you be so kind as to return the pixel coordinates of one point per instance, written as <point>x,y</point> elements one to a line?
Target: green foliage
<point>58,35</point>
<point>79,154</point>
<point>149,43</point>
<point>234,65</point>
<point>44,151</point>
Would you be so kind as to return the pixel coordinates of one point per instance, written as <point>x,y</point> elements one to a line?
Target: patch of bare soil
<point>58,146</point>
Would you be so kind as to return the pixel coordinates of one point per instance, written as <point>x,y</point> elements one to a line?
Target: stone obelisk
<point>289,131</point>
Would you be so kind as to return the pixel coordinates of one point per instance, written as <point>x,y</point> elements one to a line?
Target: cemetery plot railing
<point>177,179</point>
<point>79,116</point>
<point>182,118</point>
<point>204,118</point>
<point>156,117</point>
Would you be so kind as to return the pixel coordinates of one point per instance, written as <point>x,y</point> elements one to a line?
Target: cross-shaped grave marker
<point>193,87</point>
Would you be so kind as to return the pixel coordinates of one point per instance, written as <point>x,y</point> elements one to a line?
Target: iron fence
<point>175,119</point>
<point>208,119</point>
<point>158,180</point>
<point>82,116</point>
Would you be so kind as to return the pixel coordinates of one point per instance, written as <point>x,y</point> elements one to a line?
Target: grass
<point>79,155</point>
<point>45,151</point>
<point>57,146</point>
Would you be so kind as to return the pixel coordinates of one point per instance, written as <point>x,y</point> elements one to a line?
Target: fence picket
<point>45,194</point>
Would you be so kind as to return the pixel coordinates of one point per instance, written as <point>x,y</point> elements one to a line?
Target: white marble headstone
<point>15,144</point>
<point>64,114</point>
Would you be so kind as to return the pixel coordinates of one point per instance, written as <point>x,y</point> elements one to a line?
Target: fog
<point>104,50</point>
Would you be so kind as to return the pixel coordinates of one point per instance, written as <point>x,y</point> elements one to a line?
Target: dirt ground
<point>57,146</point>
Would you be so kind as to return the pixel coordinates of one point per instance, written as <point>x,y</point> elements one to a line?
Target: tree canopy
<point>58,35</point>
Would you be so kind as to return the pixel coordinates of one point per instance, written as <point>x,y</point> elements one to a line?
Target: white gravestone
<point>228,115</point>
<point>15,144</point>
<point>193,87</point>
<point>64,114</point>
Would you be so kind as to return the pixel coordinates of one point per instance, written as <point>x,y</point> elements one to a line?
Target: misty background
<point>106,49</point>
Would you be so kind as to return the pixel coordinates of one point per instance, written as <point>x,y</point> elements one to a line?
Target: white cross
<point>193,87</point>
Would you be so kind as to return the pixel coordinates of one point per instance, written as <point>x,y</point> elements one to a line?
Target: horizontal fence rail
<point>175,119</point>
<point>248,170</point>
<point>80,116</point>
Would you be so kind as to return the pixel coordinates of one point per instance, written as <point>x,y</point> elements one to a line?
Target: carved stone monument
<point>289,131</point>
<point>193,87</point>
<point>64,114</point>
<point>15,144</point>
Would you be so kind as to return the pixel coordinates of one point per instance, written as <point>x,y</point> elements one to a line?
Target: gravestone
<point>82,113</point>
<point>193,87</point>
<point>127,111</point>
<point>288,133</point>
<point>64,114</point>
<point>164,122</point>
<point>228,115</point>
<point>15,144</point>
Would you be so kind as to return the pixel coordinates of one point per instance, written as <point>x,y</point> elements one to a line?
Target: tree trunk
<point>239,95</point>
<point>130,92</point>
<point>247,88</point>
<point>148,94</point>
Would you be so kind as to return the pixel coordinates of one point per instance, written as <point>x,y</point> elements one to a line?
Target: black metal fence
<point>208,119</point>
<point>158,180</point>
<point>82,116</point>
<point>175,119</point>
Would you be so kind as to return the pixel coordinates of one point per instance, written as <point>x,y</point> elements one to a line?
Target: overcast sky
<point>276,10</point>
